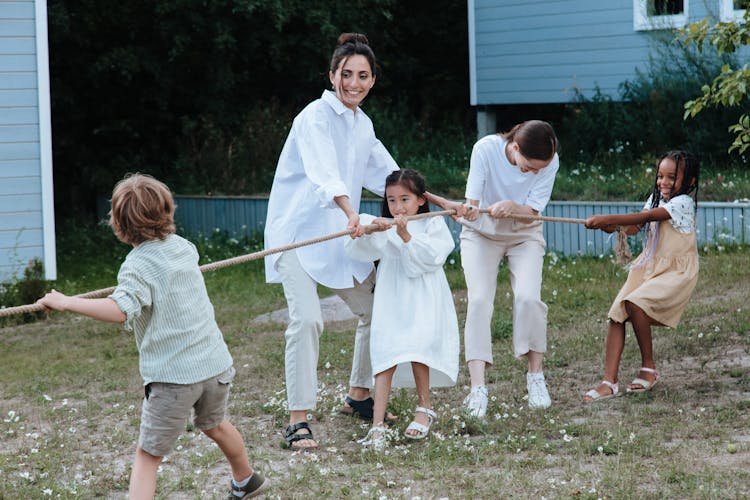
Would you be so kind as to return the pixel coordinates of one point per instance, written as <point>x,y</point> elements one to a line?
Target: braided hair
<point>690,175</point>
<point>689,184</point>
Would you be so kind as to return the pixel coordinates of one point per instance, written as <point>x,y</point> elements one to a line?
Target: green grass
<point>70,398</point>
<point>633,181</point>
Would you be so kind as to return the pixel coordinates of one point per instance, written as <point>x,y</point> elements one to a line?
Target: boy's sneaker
<point>254,487</point>
<point>537,387</point>
<point>476,401</point>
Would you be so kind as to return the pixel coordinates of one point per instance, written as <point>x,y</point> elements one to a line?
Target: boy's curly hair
<point>142,209</point>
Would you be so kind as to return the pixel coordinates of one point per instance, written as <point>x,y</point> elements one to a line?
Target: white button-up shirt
<point>330,151</point>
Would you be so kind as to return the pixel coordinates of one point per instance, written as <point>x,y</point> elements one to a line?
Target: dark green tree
<point>201,92</point>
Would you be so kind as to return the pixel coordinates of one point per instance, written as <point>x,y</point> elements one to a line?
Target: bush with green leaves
<point>647,118</point>
<point>201,94</point>
<point>25,290</point>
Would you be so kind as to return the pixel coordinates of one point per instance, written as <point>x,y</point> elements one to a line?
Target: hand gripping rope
<point>621,250</point>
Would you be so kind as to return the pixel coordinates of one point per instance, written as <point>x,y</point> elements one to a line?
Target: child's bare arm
<point>633,222</point>
<point>101,309</point>
<point>401,230</point>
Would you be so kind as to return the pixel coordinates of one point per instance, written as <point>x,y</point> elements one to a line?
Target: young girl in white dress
<point>662,278</point>
<point>414,332</point>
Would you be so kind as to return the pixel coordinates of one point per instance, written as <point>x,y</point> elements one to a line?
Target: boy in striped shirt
<point>161,297</point>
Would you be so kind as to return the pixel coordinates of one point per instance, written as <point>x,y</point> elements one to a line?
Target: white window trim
<point>472,54</point>
<point>643,22</point>
<point>727,12</point>
<point>45,140</point>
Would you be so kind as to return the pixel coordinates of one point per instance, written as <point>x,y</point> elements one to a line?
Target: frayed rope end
<point>622,249</point>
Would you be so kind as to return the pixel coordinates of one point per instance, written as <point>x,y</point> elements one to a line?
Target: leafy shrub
<point>24,291</point>
<point>439,150</point>
<point>215,160</point>
<point>649,121</point>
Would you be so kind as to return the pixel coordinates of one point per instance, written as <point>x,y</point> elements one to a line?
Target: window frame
<point>643,22</point>
<point>727,12</point>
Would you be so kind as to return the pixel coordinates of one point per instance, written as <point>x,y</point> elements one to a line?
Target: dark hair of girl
<point>690,167</point>
<point>350,44</point>
<point>690,175</point>
<point>411,180</point>
<point>536,139</point>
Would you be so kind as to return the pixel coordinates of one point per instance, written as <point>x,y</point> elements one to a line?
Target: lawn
<point>70,397</point>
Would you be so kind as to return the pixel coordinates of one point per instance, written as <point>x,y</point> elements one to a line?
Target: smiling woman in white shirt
<point>331,153</point>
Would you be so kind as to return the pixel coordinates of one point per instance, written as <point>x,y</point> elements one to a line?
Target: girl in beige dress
<point>662,278</point>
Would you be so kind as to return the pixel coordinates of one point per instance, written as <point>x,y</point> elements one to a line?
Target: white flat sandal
<point>376,438</point>
<point>645,385</point>
<point>422,430</point>
<point>595,396</point>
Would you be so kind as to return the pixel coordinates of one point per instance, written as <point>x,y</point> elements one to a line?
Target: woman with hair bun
<point>510,174</point>
<point>331,153</point>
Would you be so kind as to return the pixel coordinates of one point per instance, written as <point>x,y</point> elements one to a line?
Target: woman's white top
<point>413,317</point>
<point>330,151</point>
<point>492,177</point>
<point>681,209</point>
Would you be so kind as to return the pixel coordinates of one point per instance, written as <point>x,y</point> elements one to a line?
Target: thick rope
<point>622,249</point>
<point>30,308</point>
<point>546,218</point>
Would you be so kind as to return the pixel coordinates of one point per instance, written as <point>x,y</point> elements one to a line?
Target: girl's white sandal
<point>645,384</point>
<point>376,438</point>
<point>595,396</point>
<point>422,430</point>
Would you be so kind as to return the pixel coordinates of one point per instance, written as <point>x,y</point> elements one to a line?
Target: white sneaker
<point>537,388</point>
<point>476,401</point>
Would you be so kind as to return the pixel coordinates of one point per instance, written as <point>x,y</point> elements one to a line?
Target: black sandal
<point>291,436</point>
<point>362,409</point>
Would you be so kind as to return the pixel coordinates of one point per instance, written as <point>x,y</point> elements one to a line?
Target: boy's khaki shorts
<point>166,407</point>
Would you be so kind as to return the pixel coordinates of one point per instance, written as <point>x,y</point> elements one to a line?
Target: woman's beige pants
<point>483,246</point>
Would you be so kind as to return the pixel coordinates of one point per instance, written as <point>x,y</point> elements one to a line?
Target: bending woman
<point>331,153</point>
<point>510,173</point>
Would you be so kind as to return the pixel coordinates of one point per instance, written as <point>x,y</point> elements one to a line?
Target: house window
<point>733,10</point>
<point>660,14</point>
<point>665,7</point>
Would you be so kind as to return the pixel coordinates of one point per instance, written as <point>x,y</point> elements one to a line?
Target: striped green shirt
<point>161,290</point>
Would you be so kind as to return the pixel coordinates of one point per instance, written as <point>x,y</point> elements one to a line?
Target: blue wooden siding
<point>22,224</point>
<point>718,223</point>
<point>539,51</point>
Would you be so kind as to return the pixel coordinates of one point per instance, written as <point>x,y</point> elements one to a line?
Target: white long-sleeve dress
<point>413,318</point>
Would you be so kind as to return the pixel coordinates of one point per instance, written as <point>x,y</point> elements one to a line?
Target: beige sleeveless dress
<point>661,287</point>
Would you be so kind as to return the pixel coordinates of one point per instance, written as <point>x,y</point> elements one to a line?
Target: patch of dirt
<point>333,308</point>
